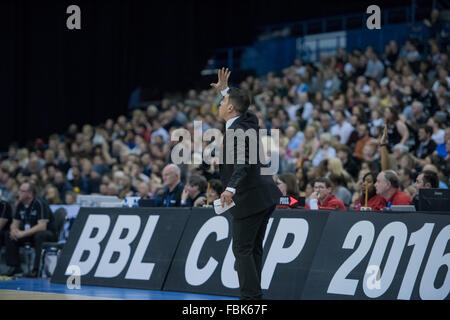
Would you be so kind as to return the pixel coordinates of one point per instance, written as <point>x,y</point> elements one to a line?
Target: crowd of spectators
<point>331,115</point>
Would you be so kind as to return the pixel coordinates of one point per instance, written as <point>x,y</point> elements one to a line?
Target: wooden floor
<point>33,295</point>
<point>43,289</point>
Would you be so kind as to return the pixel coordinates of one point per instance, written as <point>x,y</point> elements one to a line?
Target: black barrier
<point>125,248</point>
<point>383,256</point>
<point>307,254</point>
<point>204,262</point>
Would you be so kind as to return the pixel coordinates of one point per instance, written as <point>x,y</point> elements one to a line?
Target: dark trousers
<point>35,240</point>
<point>248,236</point>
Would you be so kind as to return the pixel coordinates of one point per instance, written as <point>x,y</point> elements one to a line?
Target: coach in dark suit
<point>255,195</point>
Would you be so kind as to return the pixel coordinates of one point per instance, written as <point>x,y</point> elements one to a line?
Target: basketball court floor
<point>42,289</point>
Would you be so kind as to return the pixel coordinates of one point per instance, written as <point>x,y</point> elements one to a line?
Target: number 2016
<point>340,284</point>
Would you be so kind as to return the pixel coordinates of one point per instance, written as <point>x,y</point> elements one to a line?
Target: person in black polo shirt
<point>5,219</point>
<point>33,223</point>
<point>195,189</point>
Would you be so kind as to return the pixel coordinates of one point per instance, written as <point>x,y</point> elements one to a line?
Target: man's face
<point>169,177</point>
<point>419,183</point>
<point>362,131</point>
<point>342,155</point>
<point>403,177</point>
<point>322,191</point>
<point>422,135</point>
<point>381,185</point>
<point>192,190</point>
<point>24,193</point>
<point>325,123</point>
<point>223,107</point>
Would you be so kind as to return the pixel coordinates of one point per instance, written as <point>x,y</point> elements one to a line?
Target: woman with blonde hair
<point>335,167</point>
<point>310,144</point>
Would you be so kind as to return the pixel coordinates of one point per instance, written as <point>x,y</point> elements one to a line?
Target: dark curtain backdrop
<point>51,77</point>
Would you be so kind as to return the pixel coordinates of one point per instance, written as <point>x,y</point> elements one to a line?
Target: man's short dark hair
<point>216,185</point>
<point>239,99</point>
<point>326,181</point>
<point>431,178</point>
<point>199,181</point>
<point>392,178</point>
<point>427,128</point>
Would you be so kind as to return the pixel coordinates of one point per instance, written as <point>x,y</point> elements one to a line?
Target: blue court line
<point>44,285</point>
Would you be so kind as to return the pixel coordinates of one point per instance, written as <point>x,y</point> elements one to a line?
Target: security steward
<point>33,223</point>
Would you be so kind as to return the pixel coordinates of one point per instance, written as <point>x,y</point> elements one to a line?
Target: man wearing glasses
<point>325,199</point>
<point>33,224</point>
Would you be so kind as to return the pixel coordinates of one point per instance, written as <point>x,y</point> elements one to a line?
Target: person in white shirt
<point>325,151</point>
<point>342,128</point>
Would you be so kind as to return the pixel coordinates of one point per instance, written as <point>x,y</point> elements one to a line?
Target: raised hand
<point>222,82</point>
<point>383,139</point>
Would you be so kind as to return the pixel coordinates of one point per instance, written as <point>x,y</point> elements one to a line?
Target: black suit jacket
<point>254,192</point>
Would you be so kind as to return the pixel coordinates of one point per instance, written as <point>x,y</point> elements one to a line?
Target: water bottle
<point>313,204</point>
<point>135,203</point>
<point>388,208</point>
<point>125,203</point>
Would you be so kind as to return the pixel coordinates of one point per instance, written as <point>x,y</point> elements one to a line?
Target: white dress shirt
<point>227,125</point>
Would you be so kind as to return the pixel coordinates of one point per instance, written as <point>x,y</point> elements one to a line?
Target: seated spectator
<point>143,190</point>
<point>426,146</point>
<point>348,161</point>
<point>52,196</point>
<point>288,185</point>
<point>441,149</point>
<point>34,223</point>
<point>170,194</point>
<point>437,125</point>
<point>339,189</point>
<point>61,184</point>
<point>195,188</point>
<point>342,128</point>
<point>70,198</point>
<point>406,177</point>
<point>387,186</point>
<point>310,144</point>
<point>425,180</point>
<point>326,200</point>
<point>214,192</point>
<point>363,138</point>
<point>325,151</point>
<point>374,201</point>
<point>5,220</point>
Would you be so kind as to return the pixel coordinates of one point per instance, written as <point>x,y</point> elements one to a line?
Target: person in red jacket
<point>374,200</point>
<point>326,200</point>
<point>387,186</point>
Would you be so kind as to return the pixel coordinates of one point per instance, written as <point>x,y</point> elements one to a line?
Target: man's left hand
<point>226,198</point>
